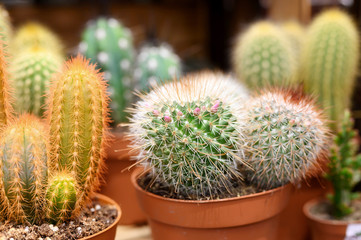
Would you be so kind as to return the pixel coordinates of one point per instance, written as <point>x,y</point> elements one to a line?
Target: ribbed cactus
<point>189,134</point>
<point>296,34</point>
<point>156,64</point>
<point>78,117</point>
<point>23,170</point>
<point>263,57</point>
<point>61,198</point>
<point>109,44</point>
<point>287,138</point>
<point>31,72</point>
<point>6,30</point>
<point>329,61</point>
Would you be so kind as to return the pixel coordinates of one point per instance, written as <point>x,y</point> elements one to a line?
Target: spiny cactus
<point>109,44</point>
<point>296,34</point>
<point>31,72</point>
<point>263,57</point>
<point>6,30</point>
<point>156,64</point>
<point>61,198</point>
<point>287,138</point>
<point>23,170</point>
<point>78,117</point>
<point>189,134</point>
<point>5,106</point>
<point>329,61</point>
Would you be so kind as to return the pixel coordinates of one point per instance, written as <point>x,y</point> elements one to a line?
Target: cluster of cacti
<point>344,168</point>
<point>156,64</point>
<point>6,30</point>
<point>109,44</point>
<point>329,61</point>
<point>263,57</point>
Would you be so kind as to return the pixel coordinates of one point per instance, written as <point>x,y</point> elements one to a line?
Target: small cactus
<point>78,117</point>
<point>329,61</point>
<point>6,30</point>
<point>189,134</point>
<point>31,72</point>
<point>263,57</point>
<point>61,198</point>
<point>156,64</point>
<point>109,44</point>
<point>23,170</point>
<point>287,138</point>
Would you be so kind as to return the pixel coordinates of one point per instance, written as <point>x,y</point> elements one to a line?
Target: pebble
<point>92,210</point>
<point>98,207</point>
<point>78,229</point>
<point>26,229</point>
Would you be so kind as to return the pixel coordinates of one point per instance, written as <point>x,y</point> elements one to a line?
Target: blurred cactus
<point>189,134</point>
<point>156,64</point>
<point>329,61</point>
<point>5,106</point>
<point>31,72</point>
<point>6,29</point>
<point>287,138</point>
<point>263,57</point>
<point>109,44</point>
<point>23,170</point>
<point>296,34</point>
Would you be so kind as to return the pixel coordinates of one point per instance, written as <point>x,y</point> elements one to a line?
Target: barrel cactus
<point>156,64</point>
<point>263,57</point>
<point>329,61</point>
<point>109,44</point>
<point>6,30</point>
<point>189,134</point>
<point>287,138</point>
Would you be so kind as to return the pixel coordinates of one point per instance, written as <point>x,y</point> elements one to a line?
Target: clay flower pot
<point>117,160</point>
<point>249,217</point>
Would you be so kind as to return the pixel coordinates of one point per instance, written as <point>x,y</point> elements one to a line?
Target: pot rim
<point>109,201</point>
<point>135,177</point>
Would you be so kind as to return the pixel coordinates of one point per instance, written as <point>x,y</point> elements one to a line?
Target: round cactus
<point>6,30</point>
<point>189,134</point>
<point>31,72</point>
<point>156,64</point>
<point>23,170</point>
<point>109,44</point>
<point>287,138</point>
<point>263,57</point>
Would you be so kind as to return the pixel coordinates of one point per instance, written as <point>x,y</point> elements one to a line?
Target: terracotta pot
<point>324,229</point>
<point>109,232</point>
<point>117,160</point>
<point>252,217</point>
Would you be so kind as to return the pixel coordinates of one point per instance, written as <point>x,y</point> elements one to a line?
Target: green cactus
<point>263,57</point>
<point>61,198</point>
<point>156,64</point>
<point>78,117</point>
<point>109,44</point>
<point>23,170</point>
<point>189,134</point>
<point>329,61</point>
<point>296,34</point>
<point>287,138</point>
<point>6,30</point>
<point>31,73</point>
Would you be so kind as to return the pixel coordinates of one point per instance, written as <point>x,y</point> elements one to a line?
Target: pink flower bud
<point>156,112</point>
<point>196,111</point>
<point>214,108</point>
<point>167,118</point>
<point>179,113</point>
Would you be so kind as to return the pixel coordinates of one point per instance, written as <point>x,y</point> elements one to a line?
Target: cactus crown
<point>189,134</point>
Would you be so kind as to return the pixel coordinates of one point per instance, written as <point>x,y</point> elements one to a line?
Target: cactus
<point>263,57</point>
<point>23,170</point>
<point>329,61</point>
<point>31,72</point>
<point>61,198</point>
<point>287,138</point>
<point>189,134</point>
<point>78,123</point>
<point>5,106</point>
<point>296,34</point>
<point>109,44</point>
<point>6,30</point>
<point>156,64</point>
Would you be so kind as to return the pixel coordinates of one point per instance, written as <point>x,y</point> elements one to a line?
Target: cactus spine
<point>109,44</point>
<point>5,106</point>
<point>23,170</point>
<point>78,123</point>
<point>329,62</point>
<point>263,57</point>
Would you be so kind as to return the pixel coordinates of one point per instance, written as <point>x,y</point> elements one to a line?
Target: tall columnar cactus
<point>5,106</point>
<point>61,198</point>
<point>78,117</point>
<point>263,57</point>
<point>31,72</point>
<point>156,64</point>
<point>109,44</point>
<point>287,138</point>
<point>23,170</point>
<point>329,61</point>
<point>189,134</point>
<point>296,34</point>
<point>6,30</point>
